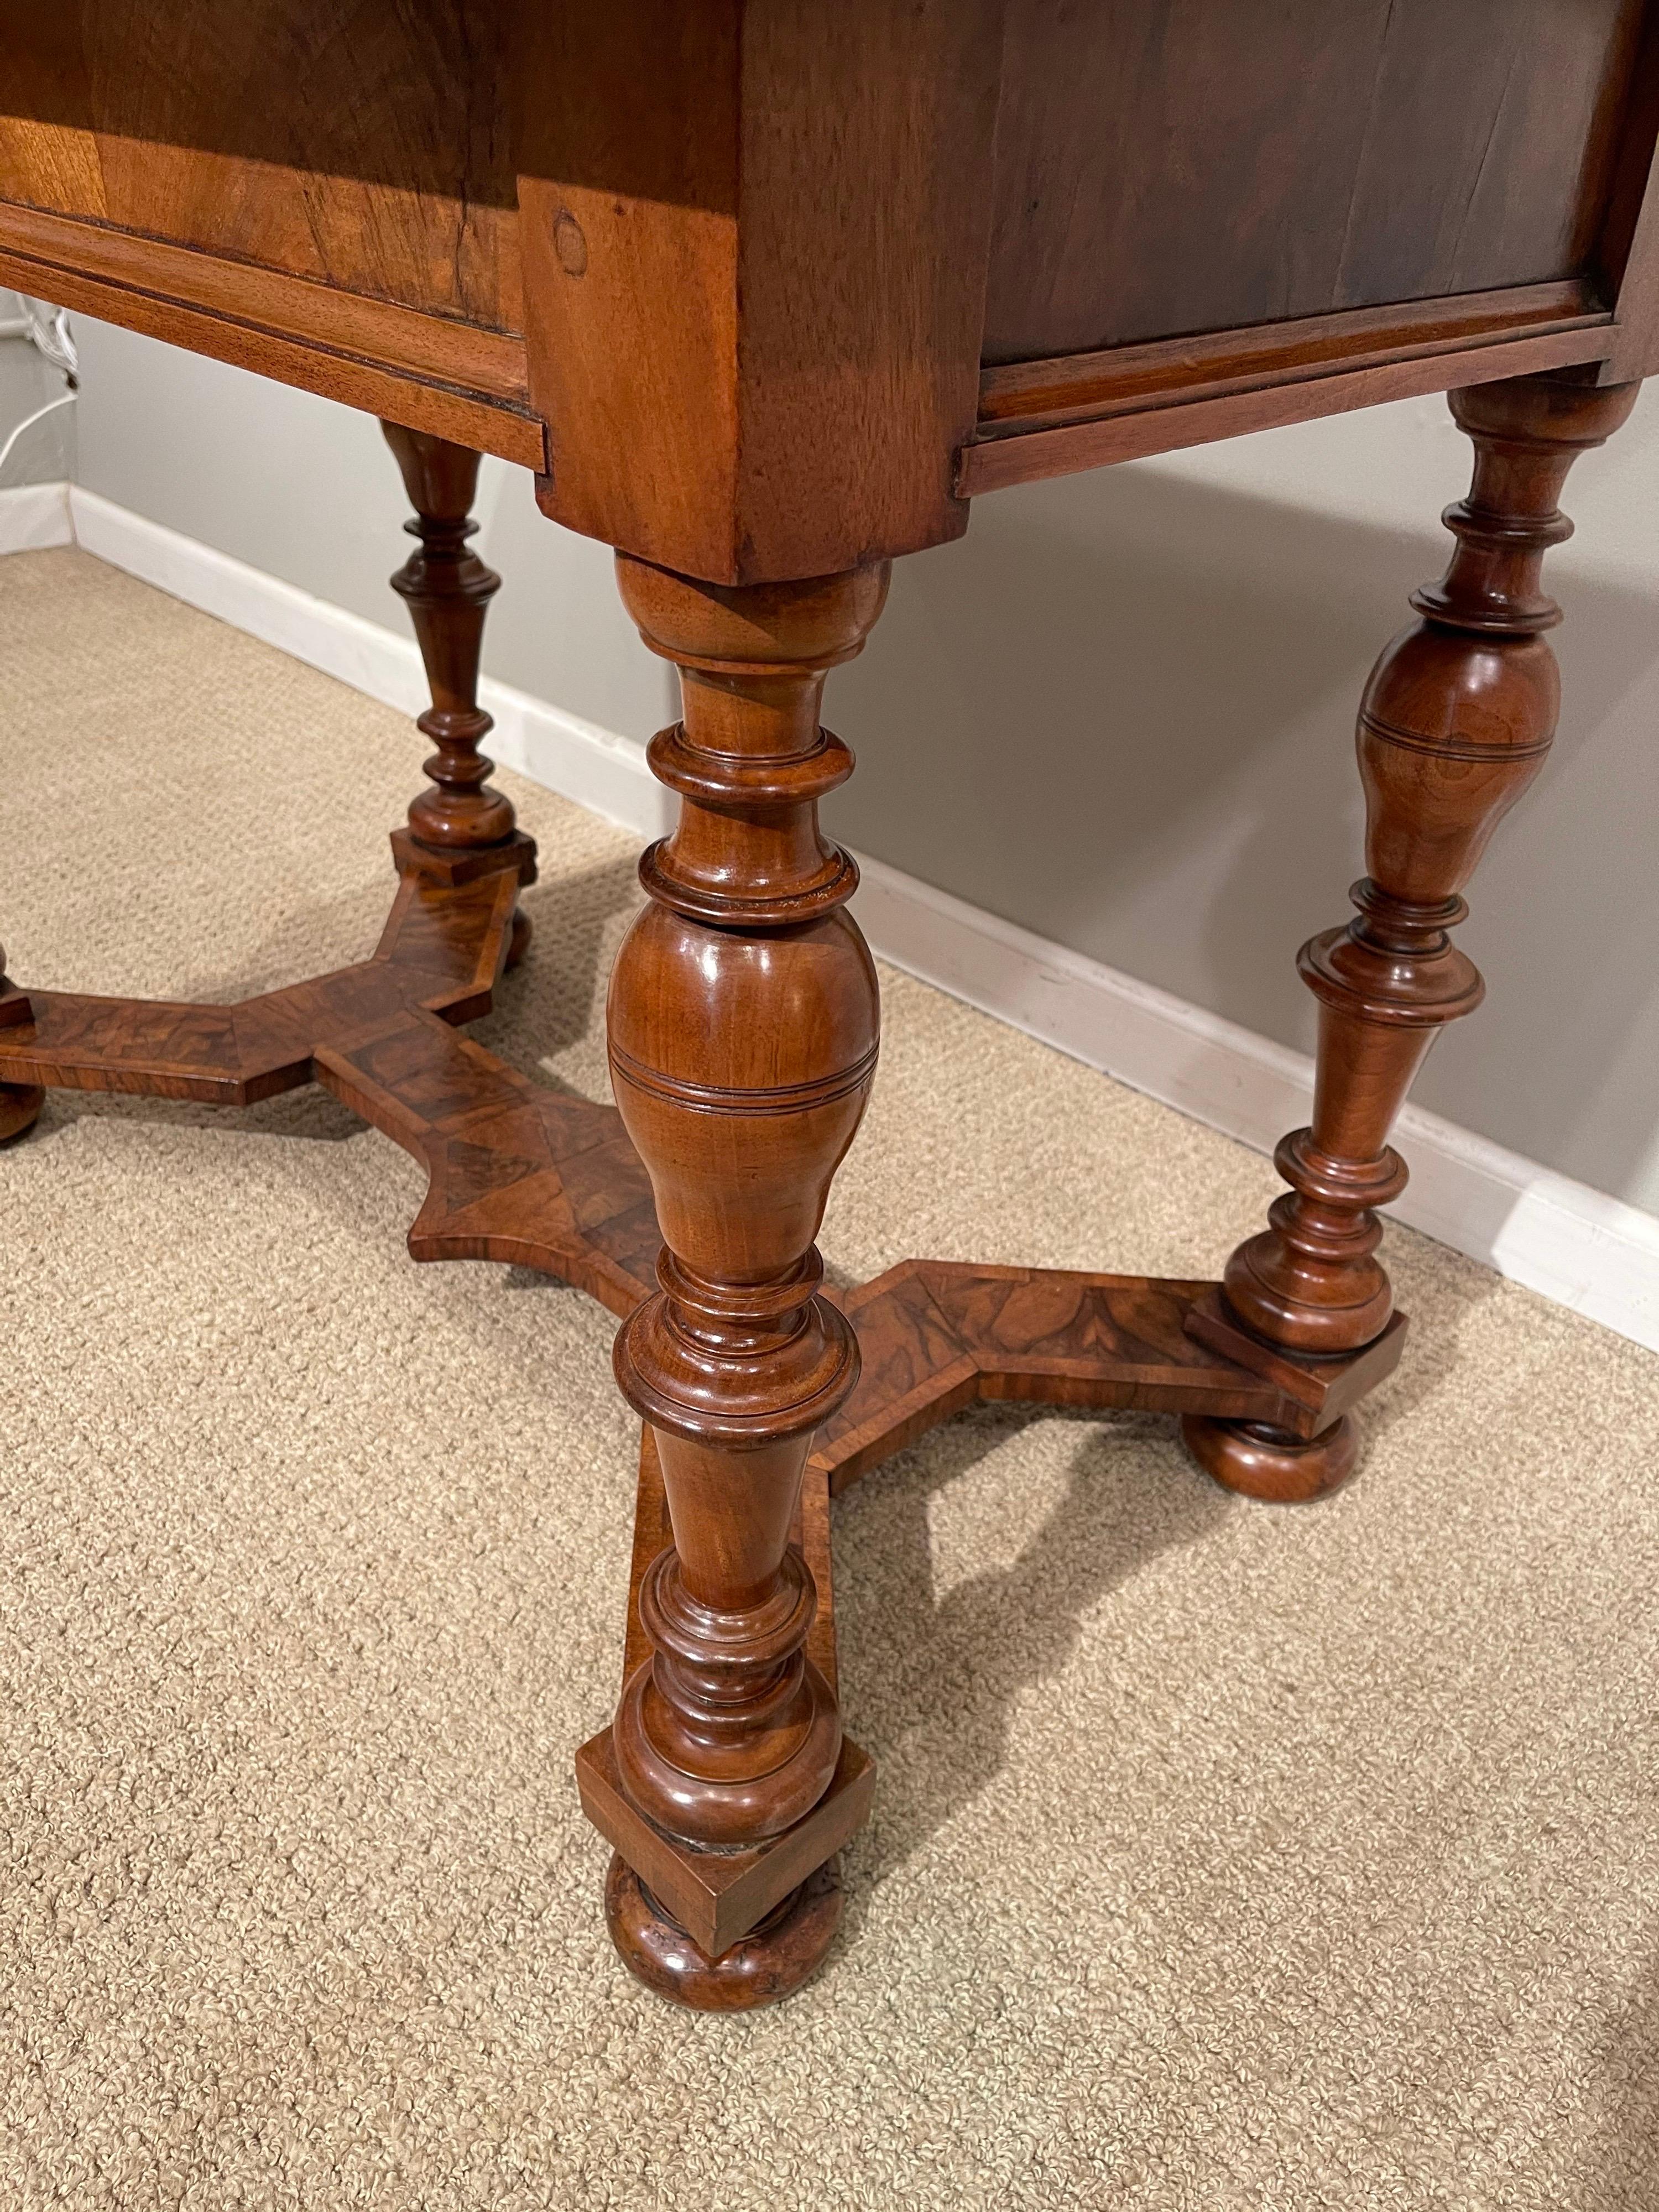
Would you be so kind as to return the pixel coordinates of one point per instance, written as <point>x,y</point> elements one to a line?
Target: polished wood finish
<point>366,148</point>
<point>448,378</point>
<point>747,1923</point>
<point>1455,723</point>
<point>770,1962</point>
<point>447,590</point>
<point>936,1336</point>
<point>518,1172</point>
<point>1202,165</point>
<point>1628,249</point>
<point>1042,395</point>
<point>765,292</point>
<point>460,824</point>
<point>329,201</point>
<point>1049,418</point>
<point>747,377</point>
<point>20,1102</point>
<point>734,306</point>
<point>743,1027</point>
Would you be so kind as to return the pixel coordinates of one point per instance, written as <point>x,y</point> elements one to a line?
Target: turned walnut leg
<point>743,1031</point>
<point>459,825</point>
<point>1455,724</point>
<point>20,1102</point>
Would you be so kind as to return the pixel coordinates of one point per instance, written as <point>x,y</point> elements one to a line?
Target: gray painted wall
<point>1120,712</point>
<point>44,454</point>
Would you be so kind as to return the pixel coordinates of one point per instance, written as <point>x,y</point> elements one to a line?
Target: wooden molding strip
<point>489,362</point>
<point>1200,412</point>
<point>1034,395</point>
<point>449,377</point>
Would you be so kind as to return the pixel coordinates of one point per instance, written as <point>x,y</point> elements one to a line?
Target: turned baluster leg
<point>459,825</point>
<point>744,1021</point>
<point>20,1102</point>
<point>1455,724</point>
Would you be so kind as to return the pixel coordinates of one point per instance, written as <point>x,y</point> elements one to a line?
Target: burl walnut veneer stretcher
<point>765,292</point>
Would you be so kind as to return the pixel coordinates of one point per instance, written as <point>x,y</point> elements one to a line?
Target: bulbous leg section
<point>1455,722</point>
<point>773,1961</point>
<point>1271,1464</point>
<point>742,1024</point>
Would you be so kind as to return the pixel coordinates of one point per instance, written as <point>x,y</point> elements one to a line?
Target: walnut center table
<point>766,293</point>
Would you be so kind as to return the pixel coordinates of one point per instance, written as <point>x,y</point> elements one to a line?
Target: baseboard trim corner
<point>35,517</point>
<point>1573,1244</point>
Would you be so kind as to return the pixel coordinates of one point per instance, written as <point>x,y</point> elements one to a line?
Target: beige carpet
<point>1224,1857</point>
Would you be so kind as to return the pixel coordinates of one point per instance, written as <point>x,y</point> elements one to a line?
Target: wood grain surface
<point>725,273</point>
<point>1455,722</point>
<point>765,291</point>
<point>1173,166</point>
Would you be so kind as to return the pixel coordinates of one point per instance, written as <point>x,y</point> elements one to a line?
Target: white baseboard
<point>599,770</point>
<point>33,517</point>
<point>1574,1244</point>
<point>1592,1253</point>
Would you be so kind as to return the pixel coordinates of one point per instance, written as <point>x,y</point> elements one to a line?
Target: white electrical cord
<point>48,328</point>
<point>28,423</point>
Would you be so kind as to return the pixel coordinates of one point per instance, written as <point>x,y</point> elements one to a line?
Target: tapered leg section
<point>1455,724</point>
<point>459,827</point>
<point>20,1102</point>
<point>742,1034</point>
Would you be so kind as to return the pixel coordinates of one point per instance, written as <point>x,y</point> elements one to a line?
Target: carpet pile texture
<point>1224,1857</point>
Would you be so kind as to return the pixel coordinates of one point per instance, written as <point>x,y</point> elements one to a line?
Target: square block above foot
<point>1317,1390</point>
<point>718,1897</point>
<point>452,869</point>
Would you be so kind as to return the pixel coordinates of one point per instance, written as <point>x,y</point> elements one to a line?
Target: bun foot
<point>771,1962</point>
<point>19,1109</point>
<point>519,943</point>
<point>1259,1461</point>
